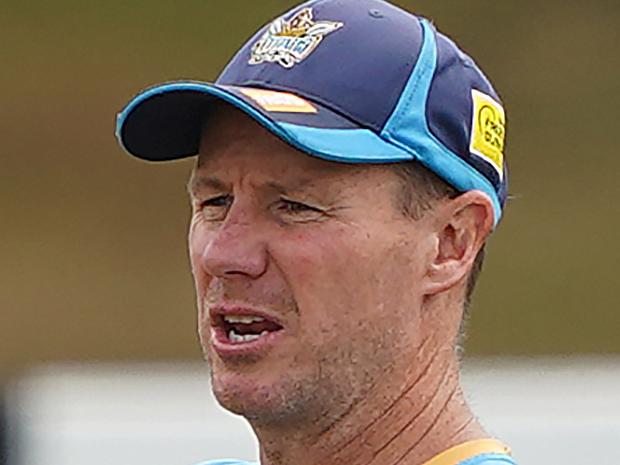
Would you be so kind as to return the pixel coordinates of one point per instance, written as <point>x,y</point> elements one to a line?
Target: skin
<point>370,300</point>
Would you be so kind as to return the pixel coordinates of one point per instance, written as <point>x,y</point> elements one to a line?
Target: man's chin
<point>258,400</point>
<point>240,393</point>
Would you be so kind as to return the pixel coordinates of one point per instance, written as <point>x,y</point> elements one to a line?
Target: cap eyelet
<point>375,13</point>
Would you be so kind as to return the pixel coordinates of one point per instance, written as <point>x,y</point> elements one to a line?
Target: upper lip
<point>219,311</point>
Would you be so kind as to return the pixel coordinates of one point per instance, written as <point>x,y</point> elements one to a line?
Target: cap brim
<point>165,123</point>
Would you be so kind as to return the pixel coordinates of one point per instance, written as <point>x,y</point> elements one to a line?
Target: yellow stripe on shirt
<point>467,450</point>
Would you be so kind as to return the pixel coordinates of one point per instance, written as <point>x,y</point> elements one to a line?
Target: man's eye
<point>296,208</point>
<point>216,207</point>
<point>221,201</point>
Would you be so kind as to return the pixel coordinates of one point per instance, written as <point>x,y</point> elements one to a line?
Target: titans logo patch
<point>288,43</point>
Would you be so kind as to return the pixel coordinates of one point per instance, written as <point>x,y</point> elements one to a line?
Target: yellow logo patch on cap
<point>488,130</point>
<point>282,102</point>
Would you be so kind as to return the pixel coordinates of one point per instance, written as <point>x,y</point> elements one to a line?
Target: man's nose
<point>236,248</point>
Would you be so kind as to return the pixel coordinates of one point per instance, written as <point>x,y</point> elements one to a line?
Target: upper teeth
<point>243,319</point>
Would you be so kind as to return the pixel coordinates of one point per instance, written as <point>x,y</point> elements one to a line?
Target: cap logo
<point>488,130</point>
<point>290,42</point>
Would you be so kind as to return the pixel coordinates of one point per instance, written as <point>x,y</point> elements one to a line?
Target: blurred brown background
<point>92,244</point>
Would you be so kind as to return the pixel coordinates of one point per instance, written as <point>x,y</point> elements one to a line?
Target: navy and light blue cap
<point>353,81</point>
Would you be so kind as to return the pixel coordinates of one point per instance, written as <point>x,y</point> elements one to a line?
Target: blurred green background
<point>94,265</point>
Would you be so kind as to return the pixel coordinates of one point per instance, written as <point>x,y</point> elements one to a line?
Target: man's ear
<point>463,224</point>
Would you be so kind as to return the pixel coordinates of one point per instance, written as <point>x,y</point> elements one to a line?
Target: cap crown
<point>361,70</point>
<point>351,81</point>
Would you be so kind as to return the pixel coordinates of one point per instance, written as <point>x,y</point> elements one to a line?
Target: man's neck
<point>414,422</point>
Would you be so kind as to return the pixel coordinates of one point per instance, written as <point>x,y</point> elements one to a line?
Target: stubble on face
<point>345,285</point>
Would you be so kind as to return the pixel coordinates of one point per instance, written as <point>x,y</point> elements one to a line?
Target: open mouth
<point>243,329</point>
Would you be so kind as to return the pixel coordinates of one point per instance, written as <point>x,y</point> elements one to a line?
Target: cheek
<point>346,278</point>
<point>357,299</point>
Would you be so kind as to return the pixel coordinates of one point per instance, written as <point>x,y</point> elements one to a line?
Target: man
<point>350,168</point>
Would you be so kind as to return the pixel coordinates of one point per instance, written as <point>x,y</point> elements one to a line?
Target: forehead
<point>233,143</point>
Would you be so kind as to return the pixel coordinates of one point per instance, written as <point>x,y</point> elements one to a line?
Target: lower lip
<point>234,350</point>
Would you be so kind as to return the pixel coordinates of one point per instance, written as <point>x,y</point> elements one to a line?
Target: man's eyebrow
<point>198,182</point>
<point>284,190</point>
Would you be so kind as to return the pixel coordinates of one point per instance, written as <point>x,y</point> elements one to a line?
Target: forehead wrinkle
<point>298,173</point>
<point>198,182</point>
<point>234,134</point>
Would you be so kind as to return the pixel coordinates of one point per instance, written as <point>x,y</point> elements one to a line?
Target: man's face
<point>307,275</point>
